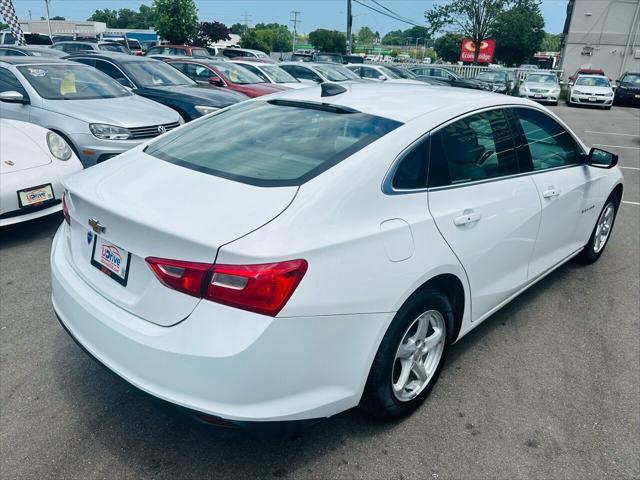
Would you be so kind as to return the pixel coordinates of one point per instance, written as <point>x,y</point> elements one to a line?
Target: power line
<point>246,17</point>
<point>392,12</point>
<point>400,19</point>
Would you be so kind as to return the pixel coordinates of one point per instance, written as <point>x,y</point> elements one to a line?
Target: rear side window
<point>550,145</point>
<point>477,147</point>
<point>411,173</point>
<point>282,144</point>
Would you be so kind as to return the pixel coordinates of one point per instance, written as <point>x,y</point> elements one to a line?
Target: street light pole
<point>349,25</point>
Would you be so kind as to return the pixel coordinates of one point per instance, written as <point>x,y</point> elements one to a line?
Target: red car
<point>586,71</point>
<point>225,74</point>
<point>168,51</point>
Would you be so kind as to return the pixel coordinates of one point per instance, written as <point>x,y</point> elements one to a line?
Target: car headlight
<point>609,94</point>
<point>577,92</point>
<point>555,90</point>
<point>109,132</point>
<point>58,147</point>
<point>205,109</point>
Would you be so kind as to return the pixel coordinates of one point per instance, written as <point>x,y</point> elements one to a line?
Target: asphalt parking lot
<point>549,387</point>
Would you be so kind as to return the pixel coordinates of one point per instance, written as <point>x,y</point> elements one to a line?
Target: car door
<point>487,210</point>
<point>16,111</point>
<point>567,188</point>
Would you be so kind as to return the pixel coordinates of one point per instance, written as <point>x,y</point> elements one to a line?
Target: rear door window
<point>282,143</point>
<point>477,147</point>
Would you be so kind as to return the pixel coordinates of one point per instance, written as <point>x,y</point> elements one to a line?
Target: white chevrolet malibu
<point>297,255</point>
<point>33,162</point>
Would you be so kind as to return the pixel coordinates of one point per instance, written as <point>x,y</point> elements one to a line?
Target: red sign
<point>487,49</point>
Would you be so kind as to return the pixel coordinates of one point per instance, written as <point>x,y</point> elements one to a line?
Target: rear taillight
<point>65,209</point>
<point>264,288</point>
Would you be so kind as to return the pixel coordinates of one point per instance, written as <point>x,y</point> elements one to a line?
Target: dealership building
<point>602,34</point>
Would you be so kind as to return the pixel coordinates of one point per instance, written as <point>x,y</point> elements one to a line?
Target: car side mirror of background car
<point>570,83</point>
<point>217,81</point>
<point>13,97</point>
<point>382,78</point>
<point>602,159</point>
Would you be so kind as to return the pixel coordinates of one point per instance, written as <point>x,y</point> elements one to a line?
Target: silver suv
<point>97,116</point>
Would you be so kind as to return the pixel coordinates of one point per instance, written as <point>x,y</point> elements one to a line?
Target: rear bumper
<point>223,362</point>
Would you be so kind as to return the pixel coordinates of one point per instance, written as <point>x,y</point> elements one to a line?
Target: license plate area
<point>110,259</point>
<point>537,95</point>
<point>36,196</point>
<point>593,99</point>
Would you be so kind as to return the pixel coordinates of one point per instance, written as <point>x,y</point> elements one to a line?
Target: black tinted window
<point>412,170</point>
<point>113,71</point>
<point>9,83</point>
<point>476,147</point>
<point>281,144</point>
<point>549,145</point>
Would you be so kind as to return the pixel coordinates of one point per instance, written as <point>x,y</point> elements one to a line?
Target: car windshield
<point>492,76</point>
<point>593,81</point>
<point>335,73</point>
<point>237,73</point>
<point>402,73</point>
<point>155,73</point>
<point>71,82</point>
<point>282,143</point>
<point>389,73</point>
<point>632,78</point>
<point>278,75</point>
<point>535,78</point>
<point>112,47</point>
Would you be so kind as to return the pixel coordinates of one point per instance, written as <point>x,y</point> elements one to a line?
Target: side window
<point>154,50</point>
<point>307,74</point>
<point>9,52</point>
<point>476,147</point>
<point>436,72</point>
<point>200,73</point>
<point>550,145</point>
<point>257,71</point>
<point>113,71</point>
<point>370,73</point>
<point>412,170</point>
<point>9,83</point>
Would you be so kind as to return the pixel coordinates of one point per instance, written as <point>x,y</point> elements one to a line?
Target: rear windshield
<point>271,144</point>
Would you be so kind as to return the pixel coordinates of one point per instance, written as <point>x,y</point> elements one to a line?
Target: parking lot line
<point>612,133</point>
<point>630,203</point>
<point>615,146</point>
<point>630,168</point>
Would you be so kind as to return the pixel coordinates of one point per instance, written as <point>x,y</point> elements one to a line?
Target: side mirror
<point>571,83</point>
<point>217,81</point>
<point>602,159</point>
<point>618,81</point>
<point>13,97</point>
<point>382,78</point>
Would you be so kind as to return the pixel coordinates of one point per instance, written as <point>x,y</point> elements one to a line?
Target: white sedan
<point>330,254</point>
<point>33,162</point>
<point>271,73</point>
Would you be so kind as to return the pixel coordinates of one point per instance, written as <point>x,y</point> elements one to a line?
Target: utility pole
<point>295,22</point>
<point>245,18</point>
<point>46,3</point>
<point>349,24</point>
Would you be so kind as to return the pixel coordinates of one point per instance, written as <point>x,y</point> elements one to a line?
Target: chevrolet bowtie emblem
<point>96,226</point>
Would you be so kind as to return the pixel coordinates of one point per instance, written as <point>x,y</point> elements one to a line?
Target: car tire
<point>596,244</point>
<point>411,340</point>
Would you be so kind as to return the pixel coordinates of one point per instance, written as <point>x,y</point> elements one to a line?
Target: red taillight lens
<point>259,288</point>
<point>65,209</point>
<point>186,277</point>
<point>262,288</point>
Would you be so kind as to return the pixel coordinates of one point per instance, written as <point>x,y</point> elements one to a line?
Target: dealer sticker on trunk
<point>111,259</point>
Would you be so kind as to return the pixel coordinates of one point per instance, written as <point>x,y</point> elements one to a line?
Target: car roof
<point>115,56</point>
<point>31,60</point>
<point>405,102</point>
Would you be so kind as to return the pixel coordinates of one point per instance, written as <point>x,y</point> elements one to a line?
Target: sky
<point>314,14</point>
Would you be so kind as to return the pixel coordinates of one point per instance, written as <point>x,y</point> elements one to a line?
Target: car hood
<point>206,95</point>
<point>129,111</point>
<point>541,85</point>
<point>23,146</point>
<point>587,89</point>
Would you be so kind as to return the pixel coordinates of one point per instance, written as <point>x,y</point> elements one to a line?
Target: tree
<point>3,26</point>
<point>518,33</point>
<point>250,39</point>
<point>125,17</point>
<point>473,18</point>
<point>110,17</point>
<point>550,43</point>
<point>237,28</point>
<point>395,37</point>
<point>277,36</point>
<point>328,40</point>
<point>448,46</point>
<point>211,32</point>
<point>365,36</point>
<point>58,17</point>
<point>176,20</point>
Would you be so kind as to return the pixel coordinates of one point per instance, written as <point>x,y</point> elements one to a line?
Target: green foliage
<point>268,37</point>
<point>237,28</point>
<point>176,20</point>
<point>406,37</point>
<point>550,43</point>
<point>124,18</point>
<point>211,32</point>
<point>251,39</point>
<point>58,17</point>
<point>518,33</point>
<point>328,40</point>
<point>3,26</point>
<point>365,36</point>
<point>448,46</point>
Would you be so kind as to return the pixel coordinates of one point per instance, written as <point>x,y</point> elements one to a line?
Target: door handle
<point>467,217</point>
<point>551,192</point>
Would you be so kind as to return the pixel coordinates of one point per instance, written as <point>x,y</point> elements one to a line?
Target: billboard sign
<point>487,49</point>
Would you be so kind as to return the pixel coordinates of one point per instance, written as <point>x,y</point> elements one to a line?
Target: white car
<point>271,73</point>
<point>542,87</point>
<point>312,73</point>
<point>591,90</point>
<point>310,264</point>
<point>33,163</point>
<point>379,73</point>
